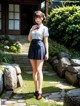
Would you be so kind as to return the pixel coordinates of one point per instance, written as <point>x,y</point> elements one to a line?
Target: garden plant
<point>64,26</point>
<point>9,45</point>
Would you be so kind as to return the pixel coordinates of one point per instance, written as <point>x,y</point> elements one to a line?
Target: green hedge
<point>55,48</point>
<point>6,58</point>
<point>64,25</point>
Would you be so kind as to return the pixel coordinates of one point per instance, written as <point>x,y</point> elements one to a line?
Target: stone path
<point>11,99</point>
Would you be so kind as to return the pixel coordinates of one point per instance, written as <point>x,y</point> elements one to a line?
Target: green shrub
<point>7,58</point>
<point>13,49</point>
<point>55,48</point>
<point>9,45</point>
<point>64,26</point>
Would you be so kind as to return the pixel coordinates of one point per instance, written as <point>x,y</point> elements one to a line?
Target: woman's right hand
<point>46,57</point>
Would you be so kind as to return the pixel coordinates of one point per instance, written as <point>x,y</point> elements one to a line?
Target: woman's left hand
<point>46,57</point>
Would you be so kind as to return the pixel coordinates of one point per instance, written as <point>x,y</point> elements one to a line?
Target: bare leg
<point>34,68</point>
<point>40,74</point>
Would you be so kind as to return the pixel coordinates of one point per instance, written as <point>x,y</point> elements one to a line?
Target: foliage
<point>9,45</point>
<point>64,25</point>
<point>55,48</point>
<point>6,58</point>
<point>70,0</point>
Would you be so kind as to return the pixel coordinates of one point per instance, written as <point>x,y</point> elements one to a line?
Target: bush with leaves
<point>6,58</point>
<point>64,25</point>
<point>55,48</point>
<point>9,45</point>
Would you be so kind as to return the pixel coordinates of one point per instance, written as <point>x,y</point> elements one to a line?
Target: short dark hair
<point>39,14</point>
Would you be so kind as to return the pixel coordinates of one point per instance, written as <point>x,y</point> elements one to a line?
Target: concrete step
<point>23,61</point>
<point>29,68</point>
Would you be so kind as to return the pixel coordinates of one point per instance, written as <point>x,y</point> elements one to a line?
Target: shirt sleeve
<point>31,30</point>
<point>46,32</point>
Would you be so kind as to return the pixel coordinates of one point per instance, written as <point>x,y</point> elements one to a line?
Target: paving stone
<point>63,85</point>
<point>33,105</point>
<point>20,104</point>
<point>48,100</point>
<point>46,94</point>
<point>20,100</point>
<point>13,99</point>
<point>10,102</point>
<point>55,96</point>
<point>50,74</point>
<point>8,94</point>
<point>3,101</point>
<point>18,96</point>
<point>30,95</point>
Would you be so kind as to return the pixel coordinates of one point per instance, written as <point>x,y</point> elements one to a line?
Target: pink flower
<point>6,47</point>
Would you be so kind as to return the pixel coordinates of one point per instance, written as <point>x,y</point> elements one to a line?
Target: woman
<point>38,51</point>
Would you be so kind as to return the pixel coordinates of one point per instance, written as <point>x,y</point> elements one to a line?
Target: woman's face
<point>38,20</point>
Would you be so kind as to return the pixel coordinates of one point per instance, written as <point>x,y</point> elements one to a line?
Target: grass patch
<point>49,86</point>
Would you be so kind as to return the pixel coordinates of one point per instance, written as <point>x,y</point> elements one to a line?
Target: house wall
<point>10,15</point>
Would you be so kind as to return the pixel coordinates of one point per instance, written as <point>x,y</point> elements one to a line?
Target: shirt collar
<point>40,25</point>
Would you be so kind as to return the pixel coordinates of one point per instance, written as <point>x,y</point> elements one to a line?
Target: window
<point>14,17</point>
<point>0,17</point>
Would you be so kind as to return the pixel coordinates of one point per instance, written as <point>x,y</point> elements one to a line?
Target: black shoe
<point>36,93</point>
<point>39,96</point>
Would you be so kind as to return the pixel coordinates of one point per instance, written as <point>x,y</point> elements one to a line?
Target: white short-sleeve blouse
<point>39,31</point>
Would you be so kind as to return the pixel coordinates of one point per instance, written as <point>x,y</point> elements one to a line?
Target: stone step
<point>29,68</point>
<point>21,59</point>
<point>24,63</point>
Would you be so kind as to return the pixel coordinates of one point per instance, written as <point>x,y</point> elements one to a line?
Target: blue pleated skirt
<point>37,50</point>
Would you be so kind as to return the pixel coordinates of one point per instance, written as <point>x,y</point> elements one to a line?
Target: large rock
<point>62,54</point>
<point>72,98</point>
<point>75,62</point>
<point>71,74</point>
<point>10,77</point>
<point>17,68</point>
<point>62,66</point>
<point>73,69</point>
<point>71,77</point>
<point>54,61</point>
<point>1,81</point>
<point>20,80</point>
<point>79,78</point>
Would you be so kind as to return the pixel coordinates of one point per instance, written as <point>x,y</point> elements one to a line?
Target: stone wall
<point>67,68</point>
